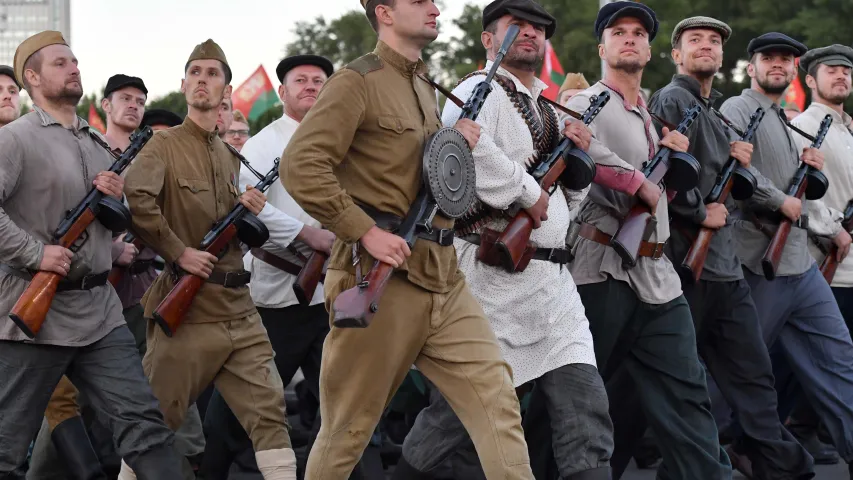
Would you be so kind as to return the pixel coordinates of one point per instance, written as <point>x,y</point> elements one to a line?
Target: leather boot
<point>404,471</point>
<point>76,450</point>
<point>159,463</point>
<point>601,473</point>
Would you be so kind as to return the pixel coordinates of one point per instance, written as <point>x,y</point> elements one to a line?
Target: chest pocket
<point>396,124</point>
<point>193,185</point>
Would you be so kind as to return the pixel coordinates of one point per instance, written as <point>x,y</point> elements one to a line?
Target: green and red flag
<point>254,96</point>
<point>552,72</point>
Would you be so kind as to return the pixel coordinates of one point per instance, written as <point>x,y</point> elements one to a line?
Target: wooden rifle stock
<point>637,224</point>
<point>170,313</point>
<point>309,277</point>
<point>830,262</point>
<point>31,308</point>
<point>515,238</point>
<point>773,255</point>
<point>354,308</point>
<point>30,311</point>
<point>694,261</point>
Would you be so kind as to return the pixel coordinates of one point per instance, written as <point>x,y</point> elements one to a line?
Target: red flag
<point>552,72</point>
<point>794,94</point>
<point>254,96</point>
<point>95,119</point>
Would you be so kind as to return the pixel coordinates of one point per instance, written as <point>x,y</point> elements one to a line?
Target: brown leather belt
<point>647,249</point>
<point>276,261</point>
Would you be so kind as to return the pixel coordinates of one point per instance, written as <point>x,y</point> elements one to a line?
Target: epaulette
<point>366,64</point>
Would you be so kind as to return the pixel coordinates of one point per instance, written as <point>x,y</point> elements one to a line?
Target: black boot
<point>160,463</point>
<point>602,473</point>
<point>404,471</point>
<point>76,450</point>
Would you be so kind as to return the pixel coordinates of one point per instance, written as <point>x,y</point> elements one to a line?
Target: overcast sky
<point>153,39</point>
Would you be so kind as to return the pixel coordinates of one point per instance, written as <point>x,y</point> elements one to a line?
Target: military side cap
<point>32,45</point>
<point>117,82</point>
<point>574,81</point>
<point>724,30</point>
<point>294,61</point>
<point>833,55</point>
<point>364,4</point>
<point>777,42</point>
<point>159,116</point>
<point>611,12</point>
<point>524,9</point>
<point>9,72</point>
<point>209,50</point>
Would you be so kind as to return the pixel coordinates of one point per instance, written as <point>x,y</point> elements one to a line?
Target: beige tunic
<point>46,170</point>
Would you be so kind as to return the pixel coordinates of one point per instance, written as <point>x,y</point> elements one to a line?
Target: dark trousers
<point>654,347</point>
<point>109,374</point>
<point>799,316</point>
<point>804,419</point>
<point>730,343</point>
<point>296,334</point>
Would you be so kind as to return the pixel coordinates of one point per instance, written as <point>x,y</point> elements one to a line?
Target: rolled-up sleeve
<point>143,187</point>
<point>318,146</point>
<point>18,249</point>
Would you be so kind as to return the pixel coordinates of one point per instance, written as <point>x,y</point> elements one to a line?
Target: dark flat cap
<point>159,116</point>
<point>523,9</point>
<point>777,42</point>
<point>724,30</point>
<point>117,82</point>
<point>9,72</point>
<point>616,10</point>
<point>294,61</point>
<point>833,55</point>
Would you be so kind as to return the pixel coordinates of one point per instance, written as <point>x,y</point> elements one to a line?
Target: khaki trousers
<point>235,355</point>
<point>63,404</point>
<point>450,341</point>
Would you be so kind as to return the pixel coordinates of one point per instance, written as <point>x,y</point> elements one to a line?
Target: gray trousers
<point>108,372</point>
<point>799,314</point>
<point>189,439</point>
<point>578,408</point>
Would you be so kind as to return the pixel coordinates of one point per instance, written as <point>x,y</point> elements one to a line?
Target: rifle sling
<point>276,261</point>
<point>647,249</point>
<point>87,282</point>
<point>560,256</point>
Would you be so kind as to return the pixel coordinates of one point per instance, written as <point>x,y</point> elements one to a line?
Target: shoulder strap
<point>366,64</point>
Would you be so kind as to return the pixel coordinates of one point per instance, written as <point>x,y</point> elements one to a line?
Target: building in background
<point>20,19</point>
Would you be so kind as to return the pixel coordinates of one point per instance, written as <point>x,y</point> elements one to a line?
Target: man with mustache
<point>296,331</point>
<point>183,181</point>
<point>10,96</point>
<point>49,161</point>
<point>726,321</point>
<point>797,310</point>
<point>354,164</point>
<point>641,324</point>
<point>829,78</point>
<point>536,314</point>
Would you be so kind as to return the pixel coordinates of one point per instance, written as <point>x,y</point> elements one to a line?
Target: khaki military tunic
<point>181,183</point>
<point>362,143</point>
<point>371,157</point>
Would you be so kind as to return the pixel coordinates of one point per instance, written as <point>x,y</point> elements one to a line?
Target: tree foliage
<point>815,22</point>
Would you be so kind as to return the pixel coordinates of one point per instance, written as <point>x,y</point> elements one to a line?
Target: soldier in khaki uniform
<point>182,182</point>
<point>354,164</point>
